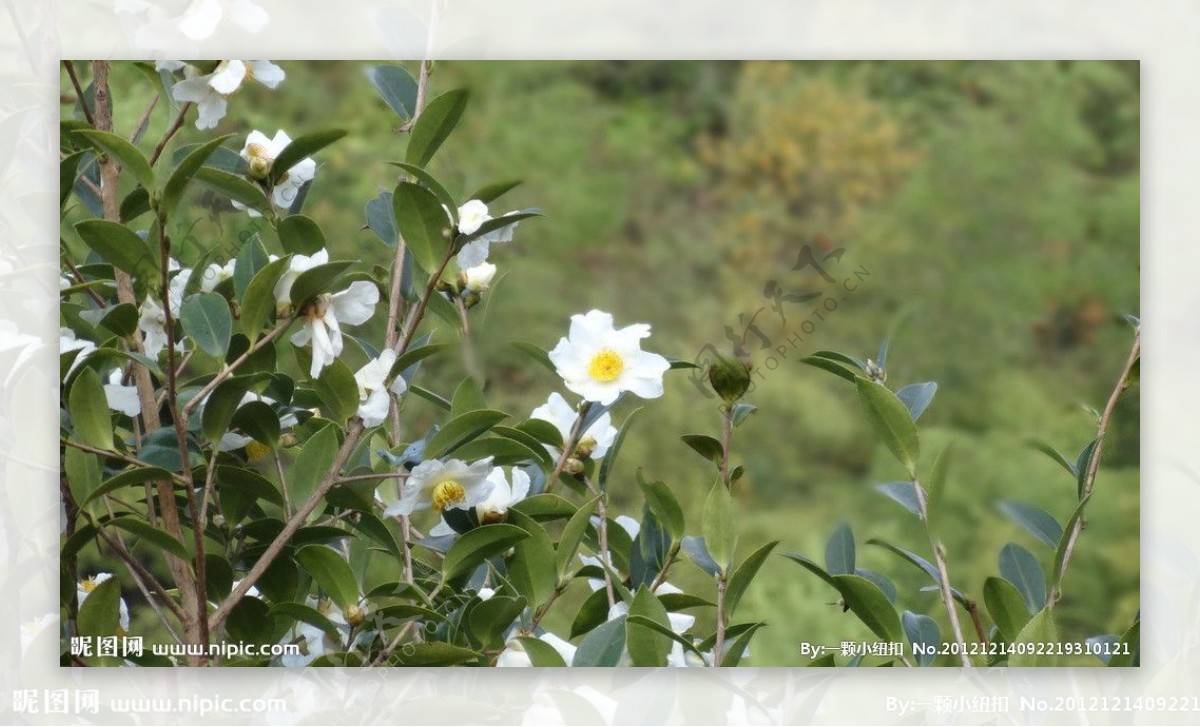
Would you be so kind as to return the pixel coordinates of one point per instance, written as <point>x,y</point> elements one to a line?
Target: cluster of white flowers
<point>472,258</point>
<point>210,91</point>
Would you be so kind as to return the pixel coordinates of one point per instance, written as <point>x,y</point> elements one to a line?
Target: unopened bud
<point>573,467</point>
<point>491,517</point>
<point>730,378</point>
<point>875,372</point>
<point>586,446</point>
<point>219,520</point>
<point>287,439</point>
<point>354,614</point>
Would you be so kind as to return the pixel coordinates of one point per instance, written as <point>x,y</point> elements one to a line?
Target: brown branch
<point>939,560</point>
<point>226,372</point>
<point>143,122</point>
<point>1093,464</point>
<point>293,524</point>
<point>83,104</point>
<point>176,125</point>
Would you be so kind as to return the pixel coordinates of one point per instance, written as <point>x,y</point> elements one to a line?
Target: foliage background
<point>995,204</point>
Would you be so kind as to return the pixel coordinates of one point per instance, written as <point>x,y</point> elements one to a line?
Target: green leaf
<point>532,569</point>
<point>423,224</point>
<point>151,535</point>
<point>89,410</point>
<point>891,421</point>
<point>903,492</point>
<point>503,451</point>
<point>397,88</point>
<point>662,502</point>
<point>737,647</point>
<point>307,614</point>
<point>258,420</point>
<point>497,223</point>
<point>1039,630</point>
<point>1036,521</point>
<point>428,181</point>
<point>467,397</point>
<point>331,572</point>
<point>839,551</point>
<point>413,356</point>
<point>718,526</point>
<point>697,551</point>
<point>235,188</point>
<point>705,446</point>
<point>434,654</point>
<point>83,473</point>
<point>379,217</point>
<point>100,613</point>
<point>316,280</point>
<point>924,631</point>
<point>909,556</point>
<point>610,457</point>
<point>67,169</point>
<point>741,411</point>
<point>120,246</point>
<point>258,304</point>
<point>301,235</point>
<point>183,173</point>
<point>744,574</point>
<point>537,353</point>
<point>1060,551</point>
<point>338,390</point>
<point>122,151</point>
<point>540,653</point>
<point>478,545</point>
<point>206,318</point>
<point>603,646</point>
<point>301,147</point>
<point>218,577</point>
<point>1055,455</point>
<point>134,205</point>
<point>249,620</point>
<point>572,535</point>
<point>871,606</point>
<point>1006,606</point>
<point>462,429</point>
<point>435,123</point>
<point>492,192</point>
<point>490,619</point>
<point>312,463</point>
<point>647,646</point>
<point>1081,467</point>
<point>1131,640</point>
<point>222,403</point>
<point>823,360</point>
<point>128,478</point>
<point>121,319</point>
<point>1019,567</point>
<point>937,485</point>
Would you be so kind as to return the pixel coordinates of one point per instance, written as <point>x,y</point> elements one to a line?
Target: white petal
<point>123,399</point>
<point>355,304</point>
<point>302,336</point>
<point>191,89</point>
<point>374,410</point>
<point>200,20</point>
<point>322,347</point>
<point>564,648</point>
<point>210,110</point>
<point>472,254</point>
<point>629,525</point>
<point>228,77</point>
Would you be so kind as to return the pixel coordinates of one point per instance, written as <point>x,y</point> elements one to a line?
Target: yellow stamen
<point>447,493</point>
<point>256,451</point>
<point>606,365</point>
<point>87,585</point>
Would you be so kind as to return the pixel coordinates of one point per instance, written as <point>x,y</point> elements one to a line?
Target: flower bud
<point>875,372</point>
<point>492,516</point>
<point>586,446</point>
<point>730,378</point>
<point>260,161</point>
<point>354,614</point>
<point>573,467</point>
<point>478,278</point>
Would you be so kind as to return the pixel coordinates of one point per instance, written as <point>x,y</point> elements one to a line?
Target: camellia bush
<point>243,451</point>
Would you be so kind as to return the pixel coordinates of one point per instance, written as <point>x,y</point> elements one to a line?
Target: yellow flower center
<point>87,585</point>
<point>606,365</point>
<point>447,493</point>
<point>256,451</point>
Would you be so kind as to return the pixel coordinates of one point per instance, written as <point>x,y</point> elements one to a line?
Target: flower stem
<point>719,646</point>
<point>569,445</point>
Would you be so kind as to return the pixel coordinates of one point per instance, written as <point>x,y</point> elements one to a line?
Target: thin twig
<point>83,104</point>
<point>569,445</point>
<point>939,560</point>
<point>228,371</point>
<point>176,125</point>
<point>1093,464</point>
<point>287,498</point>
<point>143,122</point>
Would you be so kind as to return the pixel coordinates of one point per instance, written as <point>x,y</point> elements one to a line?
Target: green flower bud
<point>730,378</point>
<point>875,372</point>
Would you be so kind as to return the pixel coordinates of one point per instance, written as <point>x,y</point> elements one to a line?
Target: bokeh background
<point>995,206</point>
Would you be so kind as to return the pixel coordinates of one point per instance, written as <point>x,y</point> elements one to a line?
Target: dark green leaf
<point>832,366</point>
<point>1018,566</point>
<point>1060,551</point>
<point>871,606</point>
<point>697,550</point>
<point>331,572</point>
<point>338,390</point>
<point>128,478</point>
<point>736,648</point>
<point>891,421</point>
<point>122,151</point>
<point>151,535</point>
<point>532,568</point>
<point>301,147</point>
<point>462,429</point>
<point>610,457</point>
<point>235,188</point>
<point>222,403</point>
<point>423,223</point>
<point>705,446</point>
<point>540,653</point>
<point>537,353</point>
<point>89,410</point>
<point>258,420</point>
<point>380,219</point>
<point>603,646</point>
<point>490,619</point>
<point>572,534</point>
<point>428,181</point>
<point>435,123</point>
<point>744,574</point>
<point>120,246</point>
<point>741,411</point>
<point>1055,455</point>
<point>924,631</point>
<point>312,463</point>
<point>902,492</point>
<point>647,646</point>
<point>308,615</point>
<point>173,190</point>
<point>396,87</point>
<point>434,654</point>
<point>316,280</point>
<point>1036,521</point>
<point>718,526</point>
<point>301,235</point>
<point>492,192</point>
<point>1006,606</point>
<point>258,305</point>
<point>207,320</point>
<point>467,397</point>
<point>100,613</point>
<point>478,545</point>
<point>1040,630</point>
<point>662,502</point>
<point>839,551</point>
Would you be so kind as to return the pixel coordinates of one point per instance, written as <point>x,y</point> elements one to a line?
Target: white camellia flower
<point>296,265</point>
<point>323,319</point>
<point>599,362</point>
<point>373,399</point>
<point>85,587</point>
<point>471,216</point>
<point>479,278</point>
<point>209,92</point>
<point>68,342</point>
<point>598,437</point>
<point>442,485</point>
<point>152,320</point>
<point>260,152</point>
<point>120,397</point>
<point>630,526</point>
<point>493,507</point>
<point>514,653</point>
<point>216,273</point>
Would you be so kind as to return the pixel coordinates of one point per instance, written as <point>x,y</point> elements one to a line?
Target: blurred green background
<point>993,205</point>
